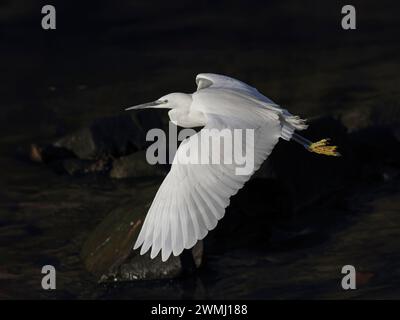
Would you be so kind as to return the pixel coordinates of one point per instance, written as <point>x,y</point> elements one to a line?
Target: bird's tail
<point>290,124</point>
<point>296,122</point>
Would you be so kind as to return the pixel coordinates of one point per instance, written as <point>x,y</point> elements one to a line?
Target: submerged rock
<point>144,268</point>
<point>108,252</point>
<point>75,167</point>
<point>135,165</point>
<point>45,153</point>
<point>384,115</point>
<point>112,146</point>
<point>80,143</point>
<point>112,136</point>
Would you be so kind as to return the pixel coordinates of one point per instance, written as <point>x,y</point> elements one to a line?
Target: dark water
<point>298,56</point>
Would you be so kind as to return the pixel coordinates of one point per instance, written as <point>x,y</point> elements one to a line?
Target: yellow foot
<point>322,147</point>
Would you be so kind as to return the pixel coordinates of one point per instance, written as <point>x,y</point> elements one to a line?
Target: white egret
<point>192,198</point>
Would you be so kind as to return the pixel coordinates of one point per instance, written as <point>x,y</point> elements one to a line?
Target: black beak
<point>146,105</point>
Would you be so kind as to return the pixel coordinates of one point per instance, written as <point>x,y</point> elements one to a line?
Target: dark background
<point>106,55</point>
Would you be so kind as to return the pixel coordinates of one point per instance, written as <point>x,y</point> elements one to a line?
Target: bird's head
<point>170,101</point>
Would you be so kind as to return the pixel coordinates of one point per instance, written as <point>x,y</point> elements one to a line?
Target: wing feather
<point>194,212</point>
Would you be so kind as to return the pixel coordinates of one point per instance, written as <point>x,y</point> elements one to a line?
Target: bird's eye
<point>165,101</point>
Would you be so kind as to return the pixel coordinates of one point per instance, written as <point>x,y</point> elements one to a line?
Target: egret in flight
<point>193,197</point>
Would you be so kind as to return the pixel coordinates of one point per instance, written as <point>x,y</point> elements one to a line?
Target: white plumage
<point>193,197</point>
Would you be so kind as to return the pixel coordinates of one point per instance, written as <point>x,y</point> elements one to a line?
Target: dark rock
<point>135,165</point>
<point>48,153</point>
<point>144,268</point>
<point>377,152</point>
<point>384,115</point>
<point>117,136</point>
<point>357,119</point>
<point>108,144</point>
<point>376,144</point>
<point>76,167</point>
<point>112,136</point>
<point>108,252</point>
<point>81,143</point>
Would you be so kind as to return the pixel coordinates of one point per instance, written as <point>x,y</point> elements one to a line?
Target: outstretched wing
<point>193,197</point>
<point>212,80</point>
